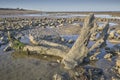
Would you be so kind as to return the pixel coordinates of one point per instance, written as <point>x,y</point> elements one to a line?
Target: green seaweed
<point>17,45</point>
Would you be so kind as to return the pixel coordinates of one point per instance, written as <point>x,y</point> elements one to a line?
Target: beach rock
<point>118,62</point>
<point>93,58</point>
<point>63,39</point>
<point>58,77</point>
<point>117,66</point>
<point>118,31</point>
<point>112,35</point>
<point>100,28</point>
<point>70,41</point>
<point>108,56</point>
<point>63,76</point>
<point>118,37</point>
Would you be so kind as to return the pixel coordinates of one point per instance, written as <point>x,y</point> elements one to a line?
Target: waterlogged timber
<point>25,54</point>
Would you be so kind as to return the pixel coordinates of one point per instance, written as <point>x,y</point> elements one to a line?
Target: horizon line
<point>64,10</point>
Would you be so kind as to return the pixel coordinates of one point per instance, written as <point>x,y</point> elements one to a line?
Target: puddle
<point>25,39</point>
<point>74,37</point>
<point>68,37</point>
<point>101,24</point>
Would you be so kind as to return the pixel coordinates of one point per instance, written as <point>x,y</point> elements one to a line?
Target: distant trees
<point>12,9</point>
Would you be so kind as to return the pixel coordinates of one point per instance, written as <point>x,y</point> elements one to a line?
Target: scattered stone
<point>77,74</point>
<point>116,67</point>
<point>112,35</point>
<point>118,31</point>
<point>63,39</point>
<point>58,77</point>
<point>108,56</point>
<point>58,61</point>
<point>118,62</point>
<point>63,76</point>
<point>70,41</point>
<point>93,58</point>
<point>45,56</point>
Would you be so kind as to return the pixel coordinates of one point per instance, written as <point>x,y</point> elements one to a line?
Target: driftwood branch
<point>74,56</point>
<point>80,50</point>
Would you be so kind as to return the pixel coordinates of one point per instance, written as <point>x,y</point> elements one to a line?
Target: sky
<point>63,5</point>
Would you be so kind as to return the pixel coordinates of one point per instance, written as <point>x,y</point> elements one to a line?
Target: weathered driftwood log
<point>47,47</point>
<point>79,50</point>
<point>55,51</point>
<point>102,38</point>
